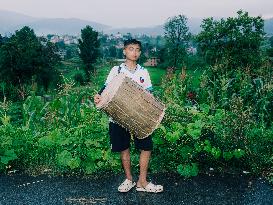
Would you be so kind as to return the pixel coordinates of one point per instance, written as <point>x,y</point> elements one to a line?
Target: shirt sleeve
<point>148,85</point>
<point>111,75</point>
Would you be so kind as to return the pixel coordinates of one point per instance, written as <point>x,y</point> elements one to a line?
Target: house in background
<point>152,62</point>
<point>121,60</point>
<point>55,39</point>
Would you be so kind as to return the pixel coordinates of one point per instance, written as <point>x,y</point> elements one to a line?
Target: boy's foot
<point>126,186</point>
<point>150,187</point>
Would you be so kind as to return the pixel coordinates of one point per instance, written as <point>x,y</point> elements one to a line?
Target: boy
<point>120,137</point>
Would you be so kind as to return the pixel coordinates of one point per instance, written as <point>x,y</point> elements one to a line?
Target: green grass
<point>195,75</point>
<point>156,75</point>
<point>102,73</point>
<point>70,67</point>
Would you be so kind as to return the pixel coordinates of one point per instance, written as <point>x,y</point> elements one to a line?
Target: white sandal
<point>151,188</point>
<point>126,186</point>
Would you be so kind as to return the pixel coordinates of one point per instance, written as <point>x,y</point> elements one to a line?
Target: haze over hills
<point>194,26</point>
<point>268,26</point>
<point>11,21</point>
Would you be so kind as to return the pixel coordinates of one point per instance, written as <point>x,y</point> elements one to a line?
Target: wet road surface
<point>18,189</point>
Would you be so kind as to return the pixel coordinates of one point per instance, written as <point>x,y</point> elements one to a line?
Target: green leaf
<point>173,136</point>
<point>207,146</point>
<point>158,140</point>
<point>238,153</point>
<point>94,154</point>
<point>100,164</point>
<point>5,120</point>
<point>64,158</point>
<point>8,156</point>
<point>198,147</point>
<point>227,155</point>
<point>188,170</point>
<point>176,126</point>
<point>163,129</point>
<point>216,152</point>
<point>74,163</point>
<point>90,167</point>
<point>186,152</point>
<point>205,108</point>
<point>46,141</point>
<point>195,129</point>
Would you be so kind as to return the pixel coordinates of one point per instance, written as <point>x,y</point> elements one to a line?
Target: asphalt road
<point>18,189</point>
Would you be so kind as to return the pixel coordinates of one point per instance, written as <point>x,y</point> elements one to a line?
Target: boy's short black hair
<point>132,41</point>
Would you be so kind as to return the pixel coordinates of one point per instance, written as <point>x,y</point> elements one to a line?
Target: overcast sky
<point>125,13</point>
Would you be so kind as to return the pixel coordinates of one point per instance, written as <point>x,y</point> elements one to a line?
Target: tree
<point>48,59</point>
<point>1,40</point>
<point>127,36</point>
<point>61,45</point>
<point>177,36</point>
<point>120,53</point>
<point>234,41</point>
<point>23,58</point>
<point>269,51</point>
<point>68,54</point>
<point>112,52</point>
<point>89,49</point>
<point>271,41</point>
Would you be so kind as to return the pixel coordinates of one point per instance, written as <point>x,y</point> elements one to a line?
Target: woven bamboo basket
<point>132,107</point>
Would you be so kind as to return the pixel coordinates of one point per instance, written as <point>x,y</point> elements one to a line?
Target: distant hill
<point>11,21</point>
<point>71,26</point>
<point>268,26</point>
<point>155,30</point>
<point>194,26</point>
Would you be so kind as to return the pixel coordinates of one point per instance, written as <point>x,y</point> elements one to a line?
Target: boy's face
<point>132,52</point>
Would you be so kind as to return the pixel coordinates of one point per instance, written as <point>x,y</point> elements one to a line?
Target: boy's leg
<point>120,142</point>
<point>142,184</point>
<point>126,163</point>
<point>145,145</point>
<point>143,164</point>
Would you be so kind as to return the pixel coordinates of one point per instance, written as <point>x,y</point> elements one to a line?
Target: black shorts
<point>120,139</point>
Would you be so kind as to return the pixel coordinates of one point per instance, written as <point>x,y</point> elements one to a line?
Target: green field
<point>70,67</point>
<point>156,75</point>
<point>73,66</point>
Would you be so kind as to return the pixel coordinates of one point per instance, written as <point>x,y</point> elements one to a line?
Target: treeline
<point>29,63</point>
<point>27,60</point>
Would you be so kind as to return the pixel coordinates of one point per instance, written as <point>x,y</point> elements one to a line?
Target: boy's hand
<point>97,99</point>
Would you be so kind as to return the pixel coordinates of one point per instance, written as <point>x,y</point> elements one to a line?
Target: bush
<point>216,125</point>
<point>67,134</point>
<point>79,78</point>
<point>199,132</point>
